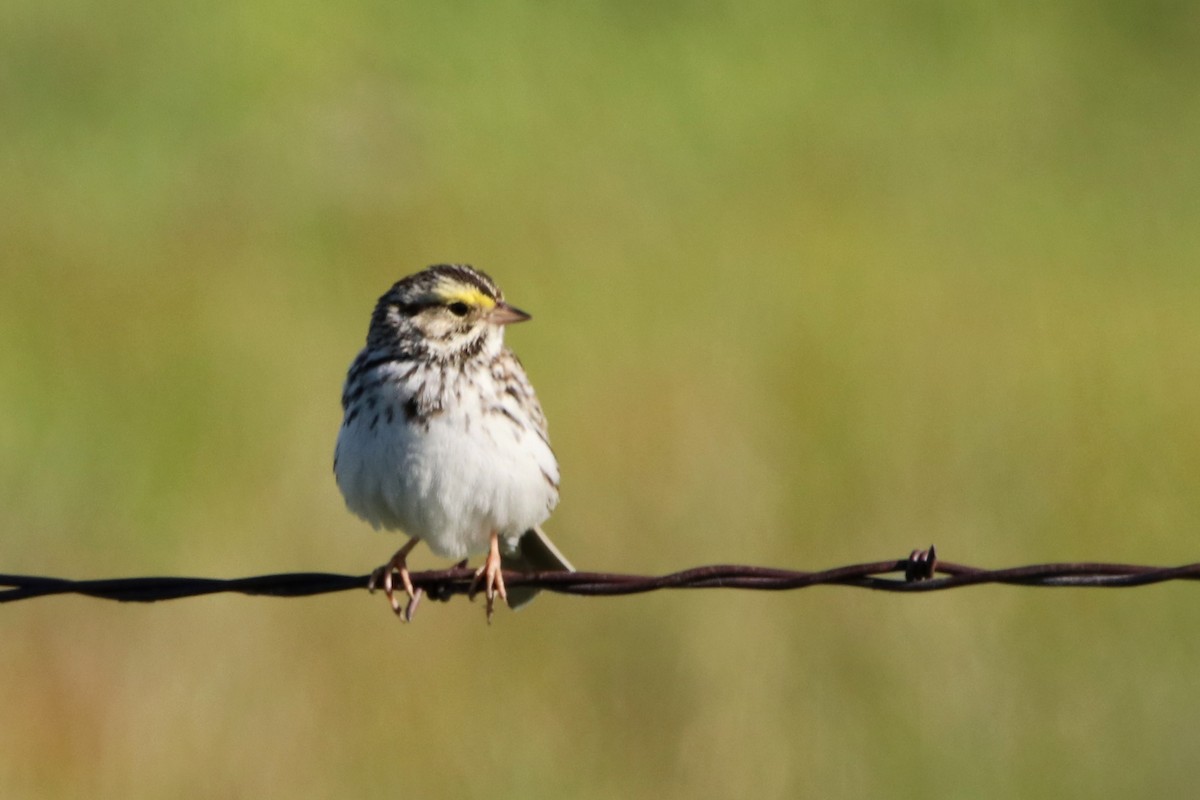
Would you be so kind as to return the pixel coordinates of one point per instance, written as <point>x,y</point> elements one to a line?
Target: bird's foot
<point>490,578</point>
<point>385,577</point>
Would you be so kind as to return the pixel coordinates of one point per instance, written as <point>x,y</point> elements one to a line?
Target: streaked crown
<point>445,312</point>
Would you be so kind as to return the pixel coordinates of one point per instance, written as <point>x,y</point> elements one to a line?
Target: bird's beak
<point>504,314</point>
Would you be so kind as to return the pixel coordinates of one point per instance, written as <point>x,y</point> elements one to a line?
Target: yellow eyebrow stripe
<point>463,294</point>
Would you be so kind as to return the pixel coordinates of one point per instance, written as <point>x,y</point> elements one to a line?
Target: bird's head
<point>450,312</point>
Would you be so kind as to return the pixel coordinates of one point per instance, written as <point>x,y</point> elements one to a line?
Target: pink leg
<point>398,564</point>
<point>491,577</point>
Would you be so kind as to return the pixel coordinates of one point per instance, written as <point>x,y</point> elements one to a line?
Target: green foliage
<point>811,284</point>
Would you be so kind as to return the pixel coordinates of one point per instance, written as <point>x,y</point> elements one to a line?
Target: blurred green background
<point>812,285</point>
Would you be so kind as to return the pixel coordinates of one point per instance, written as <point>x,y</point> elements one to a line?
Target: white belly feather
<point>451,480</point>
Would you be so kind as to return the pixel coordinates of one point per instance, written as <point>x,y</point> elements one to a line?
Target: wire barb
<point>921,572</point>
<point>922,564</point>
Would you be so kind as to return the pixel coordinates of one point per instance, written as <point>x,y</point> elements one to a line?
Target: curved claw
<point>385,575</point>
<point>491,577</point>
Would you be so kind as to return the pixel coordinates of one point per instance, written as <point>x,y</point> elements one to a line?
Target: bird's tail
<point>534,553</point>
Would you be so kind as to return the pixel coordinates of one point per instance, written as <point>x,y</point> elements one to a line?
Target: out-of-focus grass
<point>811,286</point>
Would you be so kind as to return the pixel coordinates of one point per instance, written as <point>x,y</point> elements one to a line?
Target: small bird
<point>443,437</point>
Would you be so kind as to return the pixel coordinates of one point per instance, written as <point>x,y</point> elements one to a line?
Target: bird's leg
<point>398,563</point>
<point>491,576</point>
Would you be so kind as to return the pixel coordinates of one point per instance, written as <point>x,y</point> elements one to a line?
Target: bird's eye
<point>459,309</point>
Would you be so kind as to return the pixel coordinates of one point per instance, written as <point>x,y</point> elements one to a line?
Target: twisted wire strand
<point>920,572</point>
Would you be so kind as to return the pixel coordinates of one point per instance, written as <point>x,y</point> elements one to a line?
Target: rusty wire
<point>920,572</point>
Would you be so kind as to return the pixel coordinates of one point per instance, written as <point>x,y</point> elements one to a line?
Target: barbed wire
<point>920,572</point>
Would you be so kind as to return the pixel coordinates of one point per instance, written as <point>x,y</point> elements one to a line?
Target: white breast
<point>452,479</point>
